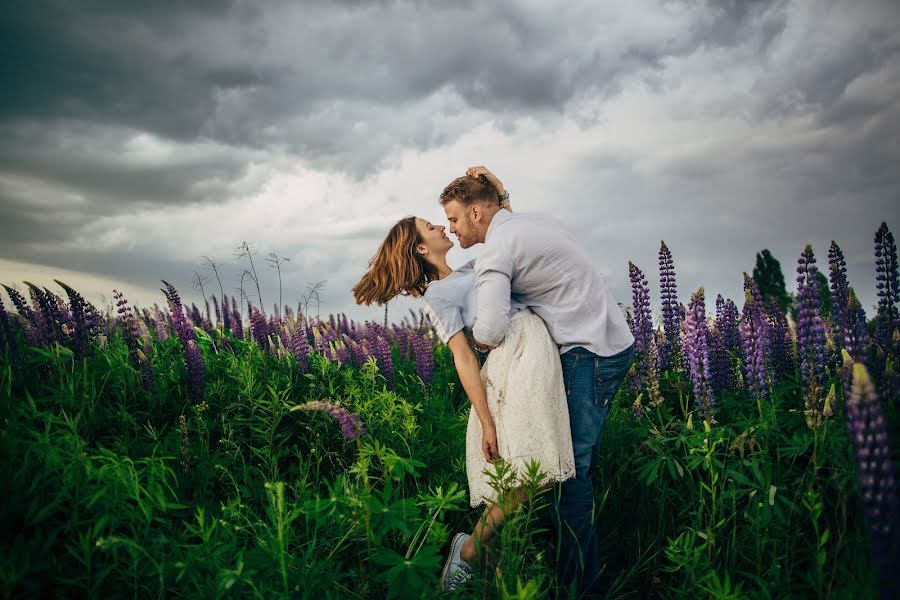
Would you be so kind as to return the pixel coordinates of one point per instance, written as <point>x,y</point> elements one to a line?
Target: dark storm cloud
<point>246,76</point>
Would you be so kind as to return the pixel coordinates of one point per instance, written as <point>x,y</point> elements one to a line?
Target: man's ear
<point>477,213</point>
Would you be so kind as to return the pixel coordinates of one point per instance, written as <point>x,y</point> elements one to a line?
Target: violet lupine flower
<point>193,359</point>
<point>78,306</point>
<point>877,484</point>
<point>840,290</point>
<point>300,345</point>
<point>47,314</point>
<point>887,285</point>
<point>351,426</point>
<point>856,334</point>
<point>132,332</point>
<point>668,291</point>
<point>423,353</point>
<point>653,392</point>
<point>727,317</point>
<point>753,341</point>
<point>217,311</point>
<point>383,357</point>
<point>640,295</point>
<point>259,328</point>
<point>32,332</point>
<point>6,334</point>
<point>810,326</point>
<point>237,326</point>
<point>697,350</point>
<point>160,324</point>
<point>780,347</point>
<point>403,336</point>
<point>642,324</point>
<point>226,314</point>
<point>719,362</point>
<point>183,329</point>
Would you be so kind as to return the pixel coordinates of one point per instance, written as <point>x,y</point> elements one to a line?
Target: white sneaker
<point>456,571</point>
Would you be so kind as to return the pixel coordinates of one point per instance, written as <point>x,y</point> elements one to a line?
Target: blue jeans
<point>591,384</point>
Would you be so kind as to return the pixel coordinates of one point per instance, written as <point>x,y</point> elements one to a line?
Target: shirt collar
<point>499,219</point>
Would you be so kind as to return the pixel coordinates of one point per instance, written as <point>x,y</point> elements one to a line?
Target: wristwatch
<point>504,197</point>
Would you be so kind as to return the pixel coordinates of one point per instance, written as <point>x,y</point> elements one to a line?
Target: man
<point>538,260</point>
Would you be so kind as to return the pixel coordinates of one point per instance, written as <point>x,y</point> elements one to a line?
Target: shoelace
<point>459,577</point>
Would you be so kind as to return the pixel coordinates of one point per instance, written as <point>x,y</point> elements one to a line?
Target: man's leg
<point>591,383</point>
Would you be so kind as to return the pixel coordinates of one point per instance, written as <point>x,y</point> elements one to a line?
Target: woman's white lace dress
<point>523,380</point>
<point>527,400</point>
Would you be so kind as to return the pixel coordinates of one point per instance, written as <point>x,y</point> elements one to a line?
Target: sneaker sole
<point>446,568</point>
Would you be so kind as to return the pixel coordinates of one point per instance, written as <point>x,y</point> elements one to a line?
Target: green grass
<point>103,500</point>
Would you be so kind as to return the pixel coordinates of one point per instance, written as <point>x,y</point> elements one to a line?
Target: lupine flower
<point>423,353</point>
<point>668,291</point>
<point>217,311</point>
<point>780,345</point>
<point>132,332</point>
<point>727,323</point>
<point>753,341</point>
<point>719,362</point>
<point>810,331</point>
<point>6,333</point>
<point>640,294</point>
<point>193,359</point>
<point>351,426</point>
<point>653,391</point>
<point>237,327</point>
<point>47,315</point>
<point>840,293</point>
<point>180,324</point>
<point>642,327</point>
<point>78,307</point>
<point>637,408</point>
<point>300,347</point>
<point>383,357</point>
<point>402,335</point>
<point>887,285</point>
<point>856,334</point>
<point>877,484</point>
<point>259,328</point>
<point>697,350</point>
<point>160,324</point>
<point>32,332</point>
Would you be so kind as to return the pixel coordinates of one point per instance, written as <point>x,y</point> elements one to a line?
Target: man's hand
<point>490,177</point>
<point>489,443</point>
<point>482,347</point>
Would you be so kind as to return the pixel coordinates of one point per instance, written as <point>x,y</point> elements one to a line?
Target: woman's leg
<point>491,520</point>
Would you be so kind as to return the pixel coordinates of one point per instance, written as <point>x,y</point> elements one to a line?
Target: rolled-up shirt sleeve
<point>493,273</point>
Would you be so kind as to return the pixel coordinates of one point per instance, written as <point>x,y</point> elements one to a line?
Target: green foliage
<point>108,495</point>
<point>768,276</point>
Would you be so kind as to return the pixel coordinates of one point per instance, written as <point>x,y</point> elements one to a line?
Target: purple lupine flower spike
<point>32,330</point>
<point>132,333</point>
<point>887,286</point>
<point>810,337</point>
<point>237,326</point>
<point>697,350</point>
<point>79,308</point>
<point>423,352</point>
<point>780,348</point>
<point>877,480</point>
<point>840,293</point>
<point>351,426</point>
<point>856,334</point>
<point>668,291</point>
<point>7,337</point>
<point>753,341</point>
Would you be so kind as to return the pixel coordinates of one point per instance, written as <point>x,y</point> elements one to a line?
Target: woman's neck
<point>440,264</point>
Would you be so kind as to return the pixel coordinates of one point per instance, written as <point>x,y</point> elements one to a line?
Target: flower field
<point>226,452</point>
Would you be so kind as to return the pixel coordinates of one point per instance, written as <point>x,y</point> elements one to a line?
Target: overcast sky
<point>137,137</point>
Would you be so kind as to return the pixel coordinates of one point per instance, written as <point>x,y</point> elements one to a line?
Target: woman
<point>519,409</point>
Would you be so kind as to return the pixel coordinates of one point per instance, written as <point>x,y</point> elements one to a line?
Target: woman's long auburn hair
<point>396,268</point>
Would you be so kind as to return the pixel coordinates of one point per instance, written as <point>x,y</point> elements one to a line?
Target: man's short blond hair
<point>468,191</point>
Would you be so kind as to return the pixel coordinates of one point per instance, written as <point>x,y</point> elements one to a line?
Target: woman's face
<point>434,240</point>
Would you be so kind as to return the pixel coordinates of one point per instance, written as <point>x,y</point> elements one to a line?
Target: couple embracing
<point>559,350</point>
